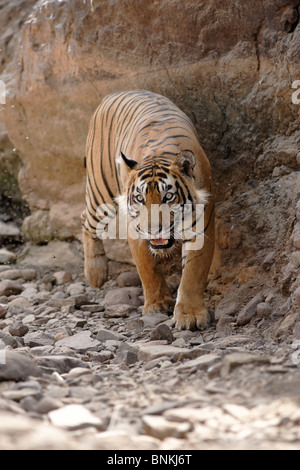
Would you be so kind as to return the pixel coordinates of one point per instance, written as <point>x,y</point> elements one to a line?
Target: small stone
<point>47,404</point>
<point>18,367</point>
<point>62,277</point>
<point>225,324</point>
<point>296,330</point>
<point>119,311</point>
<point>67,309</point>
<point>101,356</point>
<point>9,287</point>
<point>8,231</point>
<point>6,256</point>
<point>60,363</point>
<point>104,335</point>
<point>74,417</point>
<point>76,289</point>
<point>19,302</point>
<point>8,340</point>
<point>153,350</point>
<point>3,311</point>
<point>123,295</point>
<point>263,309</point>
<point>200,363</point>
<point>160,427</point>
<point>152,319</point>
<point>126,357</point>
<point>29,293</point>
<point>128,278</point>
<point>38,338</point>
<point>18,329</point>
<point>229,310</point>
<point>237,359</point>
<point>81,342</point>
<point>13,274</point>
<point>248,312</point>
<point>269,260</point>
<point>162,331</point>
<point>60,335</point>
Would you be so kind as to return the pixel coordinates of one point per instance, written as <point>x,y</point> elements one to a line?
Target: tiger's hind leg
<point>95,261</point>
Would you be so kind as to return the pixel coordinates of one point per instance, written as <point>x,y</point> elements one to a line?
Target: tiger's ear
<point>186,162</point>
<point>129,164</point>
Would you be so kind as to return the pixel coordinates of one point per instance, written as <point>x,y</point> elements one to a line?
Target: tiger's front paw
<point>161,306</point>
<point>189,317</point>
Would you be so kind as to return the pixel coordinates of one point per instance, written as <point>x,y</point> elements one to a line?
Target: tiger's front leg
<point>157,295</point>
<point>190,311</point>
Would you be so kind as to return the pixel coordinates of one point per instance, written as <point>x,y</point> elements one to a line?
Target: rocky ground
<point>81,368</point>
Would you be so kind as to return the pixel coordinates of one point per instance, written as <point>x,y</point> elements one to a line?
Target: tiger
<point>143,151</point>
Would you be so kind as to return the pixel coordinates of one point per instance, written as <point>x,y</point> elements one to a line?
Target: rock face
<point>230,66</point>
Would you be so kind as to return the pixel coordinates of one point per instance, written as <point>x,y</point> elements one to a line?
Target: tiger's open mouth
<point>161,243</point>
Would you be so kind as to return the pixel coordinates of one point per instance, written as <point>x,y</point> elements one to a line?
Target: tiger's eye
<point>139,198</point>
<point>169,196</point>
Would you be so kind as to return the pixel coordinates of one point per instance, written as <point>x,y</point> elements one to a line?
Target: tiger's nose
<point>154,232</point>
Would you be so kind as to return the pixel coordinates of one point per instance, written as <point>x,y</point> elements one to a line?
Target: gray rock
<point>200,363</point>
<point>153,350</point>
<point>9,287</point>
<point>26,274</point>
<point>29,293</point>
<point>128,278</point>
<point>225,324</point>
<point>296,330</point>
<point>123,295</point>
<point>101,356</point>
<point>8,340</point>
<point>248,312</point>
<point>6,256</point>
<point>38,338</point>
<point>3,311</point>
<point>237,359</point>
<point>60,363</point>
<point>18,329</point>
<point>74,417</point>
<point>228,310</point>
<point>119,311</point>
<point>126,354</point>
<point>269,260</point>
<point>161,428</point>
<point>263,309</point>
<point>47,404</point>
<point>18,367</point>
<point>76,288</point>
<point>152,319</point>
<point>62,277</point>
<point>126,357</point>
<point>81,342</point>
<point>104,335</point>
<point>162,331</point>
<point>8,230</point>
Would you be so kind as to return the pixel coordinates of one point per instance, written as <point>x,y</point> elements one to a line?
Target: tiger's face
<point>159,193</point>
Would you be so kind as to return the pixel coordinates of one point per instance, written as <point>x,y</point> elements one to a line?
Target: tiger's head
<point>158,193</point>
